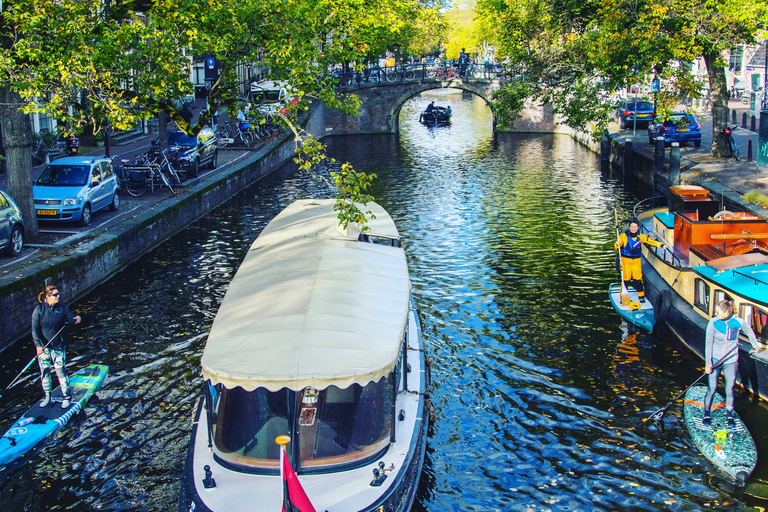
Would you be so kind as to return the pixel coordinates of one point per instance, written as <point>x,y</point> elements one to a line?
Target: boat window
<point>380,239</point>
<point>247,423</point>
<point>701,295</point>
<point>720,295</point>
<point>758,320</point>
<point>338,426</point>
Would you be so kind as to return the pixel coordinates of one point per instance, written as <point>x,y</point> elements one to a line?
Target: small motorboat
<point>437,115</point>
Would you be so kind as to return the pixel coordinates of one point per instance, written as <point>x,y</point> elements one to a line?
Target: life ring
<point>661,306</point>
<point>725,215</point>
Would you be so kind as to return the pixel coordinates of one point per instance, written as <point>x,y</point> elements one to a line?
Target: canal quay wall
<point>78,269</point>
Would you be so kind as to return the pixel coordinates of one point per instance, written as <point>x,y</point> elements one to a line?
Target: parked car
<point>72,188</point>
<point>678,127</point>
<point>629,110</point>
<point>11,225</point>
<point>195,152</point>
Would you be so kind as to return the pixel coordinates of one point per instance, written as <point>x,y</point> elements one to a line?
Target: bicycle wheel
<point>732,148</point>
<point>392,76</point>
<point>136,183</point>
<point>165,181</point>
<point>431,72</point>
<point>409,75</point>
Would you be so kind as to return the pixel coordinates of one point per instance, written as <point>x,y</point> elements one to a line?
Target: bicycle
<point>733,149</point>
<point>232,133</point>
<point>39,150</point>
<point>143,174</point>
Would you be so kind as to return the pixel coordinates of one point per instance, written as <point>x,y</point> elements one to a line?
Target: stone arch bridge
<point>381,103</point>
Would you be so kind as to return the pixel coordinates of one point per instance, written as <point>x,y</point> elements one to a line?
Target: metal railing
<point>411,72</point>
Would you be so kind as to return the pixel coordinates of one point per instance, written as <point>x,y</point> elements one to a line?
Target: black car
<point>194,152</point>
<point>629,111</point>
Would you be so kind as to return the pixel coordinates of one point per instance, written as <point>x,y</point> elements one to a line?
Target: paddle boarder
<point>631,242</point>
<point>48,318</point>
<point>722,338</point>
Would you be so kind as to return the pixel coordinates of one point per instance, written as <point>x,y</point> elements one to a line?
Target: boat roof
<point>311,305</point>
<point>745,275</point>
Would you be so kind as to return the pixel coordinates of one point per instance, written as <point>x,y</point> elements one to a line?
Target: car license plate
<point>47,212</point>
<point>642,115</point>
<point>682,129</point>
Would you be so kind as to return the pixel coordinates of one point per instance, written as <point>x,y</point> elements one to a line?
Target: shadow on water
<point>539,392</point>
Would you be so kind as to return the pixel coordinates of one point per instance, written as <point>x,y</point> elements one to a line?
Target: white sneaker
<point>65,403</point>
<point>46,400</point>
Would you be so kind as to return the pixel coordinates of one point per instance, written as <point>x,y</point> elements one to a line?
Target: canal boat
<point>317,339</point>
<point>40,422</point>
<point>438,115</point>
<point>715,254</point>
<point>731,449</point>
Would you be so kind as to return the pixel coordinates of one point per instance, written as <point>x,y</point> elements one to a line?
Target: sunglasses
<point>55,294</point>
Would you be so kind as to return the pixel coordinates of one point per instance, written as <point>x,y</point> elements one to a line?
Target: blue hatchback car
<point>11,225</point>
<point>678,127</point>
<point>72,188</point>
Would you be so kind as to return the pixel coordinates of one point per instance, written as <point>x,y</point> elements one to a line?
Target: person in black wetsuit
<point>47,320</point>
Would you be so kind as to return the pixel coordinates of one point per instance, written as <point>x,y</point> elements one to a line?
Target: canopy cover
<point>311,306</point>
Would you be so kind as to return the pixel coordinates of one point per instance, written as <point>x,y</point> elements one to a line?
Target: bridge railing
<point>422,72</point>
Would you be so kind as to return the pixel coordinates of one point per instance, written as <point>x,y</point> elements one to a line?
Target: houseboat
<point>317,339</point>
<point>716,254</point>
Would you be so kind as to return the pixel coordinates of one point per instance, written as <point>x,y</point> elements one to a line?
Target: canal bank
<point>91,258</point>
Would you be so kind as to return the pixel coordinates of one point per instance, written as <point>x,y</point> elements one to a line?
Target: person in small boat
<point>430,107</point>
<point>630,242</point>
<point>47,320</point>
<point>722,336</point>
<point>448,110</point>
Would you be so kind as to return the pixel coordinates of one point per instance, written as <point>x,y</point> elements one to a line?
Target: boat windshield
<point>757,319</point>
<point>336,426</point>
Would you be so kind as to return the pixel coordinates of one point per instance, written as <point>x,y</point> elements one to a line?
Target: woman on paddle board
<point>722,338</point>
<point>631,244</point>
<point>48,318</point>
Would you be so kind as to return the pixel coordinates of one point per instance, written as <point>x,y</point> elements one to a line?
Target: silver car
<point>11,225</point>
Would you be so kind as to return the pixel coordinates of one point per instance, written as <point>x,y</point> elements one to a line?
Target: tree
<point>573,54</point>
<point>93,62</point>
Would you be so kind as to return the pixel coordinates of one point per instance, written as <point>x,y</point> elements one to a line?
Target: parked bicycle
<point>236,133</point>
<point>40,149</point>
<point>733,149</point>
<point>142,174</point>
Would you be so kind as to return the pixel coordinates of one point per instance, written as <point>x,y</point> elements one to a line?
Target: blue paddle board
<point>639,314</point>
<point>39,422</point>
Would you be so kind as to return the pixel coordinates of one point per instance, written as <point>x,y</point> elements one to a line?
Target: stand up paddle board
<point>731,450</point>
<point>39,422</point>
<point>639,314</point>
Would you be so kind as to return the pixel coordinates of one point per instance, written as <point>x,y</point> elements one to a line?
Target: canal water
<point>539,392</point>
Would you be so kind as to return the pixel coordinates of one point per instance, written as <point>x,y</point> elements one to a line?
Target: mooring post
<point>605,148</point>
<point>674,164</point>
<point>628,153</point>
<point>658,156</point>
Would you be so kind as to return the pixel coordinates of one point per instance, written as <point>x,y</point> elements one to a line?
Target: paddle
<point>624,292</point>
<point>32,361</point>
<point>658,416</point>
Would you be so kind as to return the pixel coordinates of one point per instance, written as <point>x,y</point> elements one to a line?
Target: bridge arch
<point>381,103</point>
<point>482,92</point>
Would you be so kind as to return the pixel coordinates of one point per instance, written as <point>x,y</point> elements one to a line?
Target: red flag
<point>294,497</point>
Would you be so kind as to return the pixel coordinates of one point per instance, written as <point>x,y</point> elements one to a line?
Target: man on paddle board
<point>631,243</point>
<point>722,338</point>
<point>48,318</point>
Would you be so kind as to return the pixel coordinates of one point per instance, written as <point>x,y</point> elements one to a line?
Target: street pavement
<point>58,235</point>
<point>741,176</point>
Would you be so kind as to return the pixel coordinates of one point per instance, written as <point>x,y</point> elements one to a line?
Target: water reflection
<point>539,392</point>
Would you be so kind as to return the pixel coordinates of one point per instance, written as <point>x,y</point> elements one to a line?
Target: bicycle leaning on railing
<point>142,174</point>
